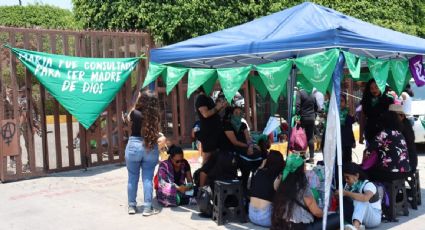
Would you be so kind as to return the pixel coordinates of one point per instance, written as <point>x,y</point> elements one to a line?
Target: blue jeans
<point>136,158</point>
<point>261,217</point>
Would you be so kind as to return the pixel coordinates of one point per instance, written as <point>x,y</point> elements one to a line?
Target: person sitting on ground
<point>262,190</point>
<point>387,158</point>
<point>174,179</point>
<point>408,134</point>
<point>294,206</point>
<point>362,203</point>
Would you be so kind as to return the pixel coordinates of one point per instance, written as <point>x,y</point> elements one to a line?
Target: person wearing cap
<point>262,190</point>
<point>408,133</point>
<point>386,158</point>
<point>294,206</point>
<point>174,179</point>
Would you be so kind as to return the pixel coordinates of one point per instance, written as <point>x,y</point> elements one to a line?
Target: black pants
<point>346,154</point>
<point>246,168</point>
<point>384,176</point>
<point>308,127</point>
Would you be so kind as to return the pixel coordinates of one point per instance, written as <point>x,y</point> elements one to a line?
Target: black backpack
<point>205,202</point>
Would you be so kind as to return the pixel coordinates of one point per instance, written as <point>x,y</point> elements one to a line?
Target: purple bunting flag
<point>417,70</point>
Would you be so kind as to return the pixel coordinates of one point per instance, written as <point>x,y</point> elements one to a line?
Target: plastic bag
<point>298,141</point>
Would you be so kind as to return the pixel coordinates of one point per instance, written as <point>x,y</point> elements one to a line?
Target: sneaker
<point>349,227</point>
<point>131,210</point>
<point>149,211</point>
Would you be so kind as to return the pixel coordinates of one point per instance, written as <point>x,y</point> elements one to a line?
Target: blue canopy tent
<point>296,32</point>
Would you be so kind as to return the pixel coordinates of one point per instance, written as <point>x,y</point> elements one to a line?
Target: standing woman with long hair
<point>141,153</point>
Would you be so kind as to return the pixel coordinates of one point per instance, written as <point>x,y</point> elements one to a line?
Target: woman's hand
<point>182,188</point>
<point>250,150</point>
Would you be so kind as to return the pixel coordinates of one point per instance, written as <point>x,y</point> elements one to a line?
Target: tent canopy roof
<point>295,32</point>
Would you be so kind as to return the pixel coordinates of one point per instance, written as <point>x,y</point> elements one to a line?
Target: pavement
<point>97,199</point>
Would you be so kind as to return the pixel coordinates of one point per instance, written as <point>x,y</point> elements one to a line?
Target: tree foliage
<point>170,21</point>
<point>39,16</point>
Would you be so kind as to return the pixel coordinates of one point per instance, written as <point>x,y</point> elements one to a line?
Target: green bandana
<point>293,162</point>
<point>262,137</point>
<point>356,186</point>
<point>343,116</point>
<point>236,122</point>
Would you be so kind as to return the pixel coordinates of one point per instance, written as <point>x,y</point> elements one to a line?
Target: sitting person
<point>294,206</point>
<point>237,141</point>
<point>262,190</point>
<point>408,134</point>
<point>386,158</point>
<point>362,204</point>
<point>174,179</point>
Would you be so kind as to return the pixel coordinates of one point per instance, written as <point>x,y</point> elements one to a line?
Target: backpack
<point>204,201</point>
<point>380,192</point>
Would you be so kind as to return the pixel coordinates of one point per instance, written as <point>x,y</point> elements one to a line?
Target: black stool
<point>398,199</point>
<point>228,202</point>
<point>414,189</point>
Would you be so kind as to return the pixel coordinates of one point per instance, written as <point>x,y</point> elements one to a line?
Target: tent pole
<point>290,96</point>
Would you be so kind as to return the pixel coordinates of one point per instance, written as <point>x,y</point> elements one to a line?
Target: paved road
<point>96,199</point>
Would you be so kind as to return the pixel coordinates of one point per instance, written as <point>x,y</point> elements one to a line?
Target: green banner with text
<point>83,86</point>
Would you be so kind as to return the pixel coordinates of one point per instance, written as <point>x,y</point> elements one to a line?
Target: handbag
<point>370,161</point>
<point>298,140</point>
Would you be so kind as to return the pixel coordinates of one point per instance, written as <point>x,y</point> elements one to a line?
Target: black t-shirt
<point>136,126</point>
<point>208,125</point>
<point>262,185</point>
<point>179,174</point>
<point>225,143</point>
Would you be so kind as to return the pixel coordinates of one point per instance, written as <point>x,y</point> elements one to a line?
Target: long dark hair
<point>367,95</point>
<point>353,169</point>
<point>149,107</point>
<point>288,191</point>
<point>274,163</point>
<point>390,121</point>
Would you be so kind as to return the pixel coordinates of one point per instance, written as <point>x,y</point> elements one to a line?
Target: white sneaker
<point>149,211</point>
<point>131,210</point>
<point>349,227</point>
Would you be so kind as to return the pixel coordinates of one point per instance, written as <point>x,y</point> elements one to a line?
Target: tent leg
<point>290,96</point>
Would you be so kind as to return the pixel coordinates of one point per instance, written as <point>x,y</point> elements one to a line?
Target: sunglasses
<point>178,161</point>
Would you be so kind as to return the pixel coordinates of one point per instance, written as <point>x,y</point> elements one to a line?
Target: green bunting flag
<point>353,63</point>
<point>303,83</point>
<point>172,76</point>
<point>399,78</point>
<point>231,79</point>
<point>274,76</point>
<point>318,68</point>
<point>258,85</point>
<point>153,72</point>
<point>197,77</point>
<point>379,71</point>
<point>209,84</point>
<point>83,86</point>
